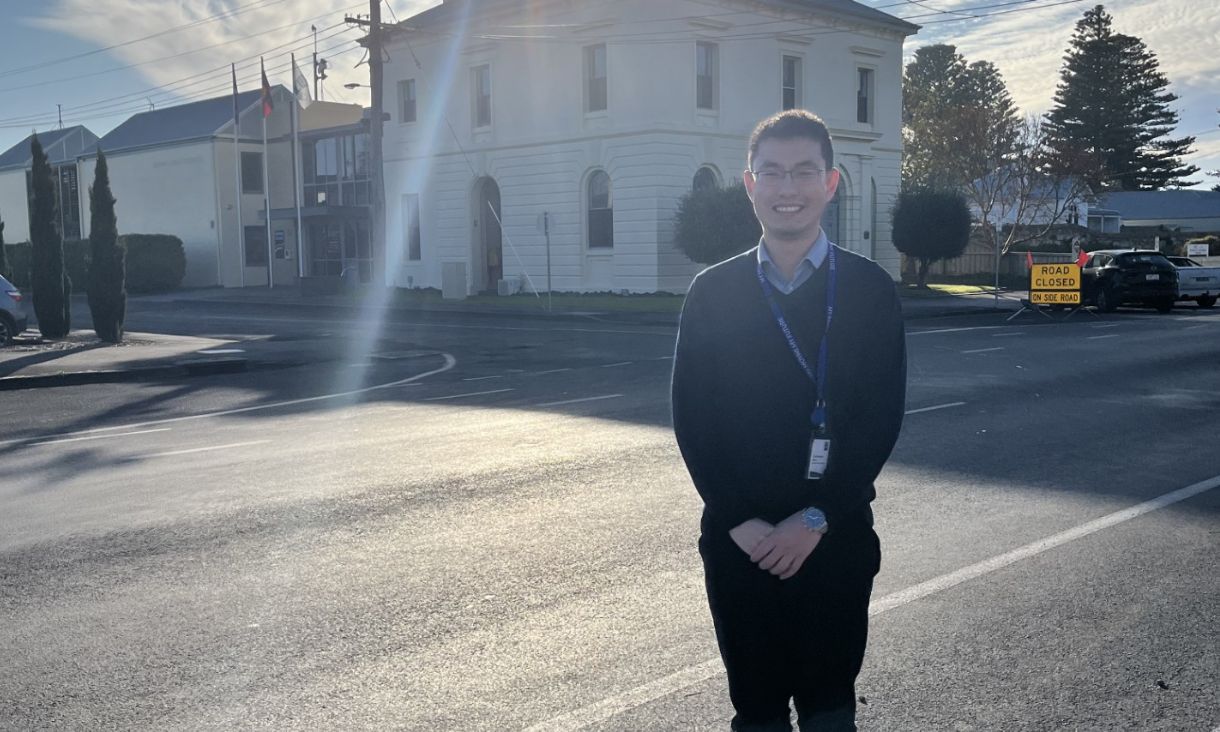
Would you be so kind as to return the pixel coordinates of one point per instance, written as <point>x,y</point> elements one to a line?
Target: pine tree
<point>959,122</point>
<point>107,263</point>
<point>1111,113</point>
<point>51,287</point>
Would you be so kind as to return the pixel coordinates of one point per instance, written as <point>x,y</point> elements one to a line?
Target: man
<point>788,391</point>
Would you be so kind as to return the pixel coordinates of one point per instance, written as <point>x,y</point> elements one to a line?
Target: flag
<point>1029,259</point>
<point>236,112</point>
<point>267,105</point>
<point>300,86</point>
<point>1082,258</point>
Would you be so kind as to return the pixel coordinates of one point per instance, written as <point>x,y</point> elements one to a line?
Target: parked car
<point>12,314</point>
<point>1113,277</point>
<point>1197,282</point>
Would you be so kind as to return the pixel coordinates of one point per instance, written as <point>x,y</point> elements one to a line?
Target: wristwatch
<point>814,520</point>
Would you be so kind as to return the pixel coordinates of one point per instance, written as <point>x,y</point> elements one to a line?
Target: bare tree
<point>1022,190</point>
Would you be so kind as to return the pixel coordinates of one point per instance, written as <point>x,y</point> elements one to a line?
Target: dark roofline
<point>444,12</point>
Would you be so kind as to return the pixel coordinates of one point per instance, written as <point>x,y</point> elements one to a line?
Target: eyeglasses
<point>775,176</point>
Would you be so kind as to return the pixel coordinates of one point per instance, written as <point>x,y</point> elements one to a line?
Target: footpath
<point>30,362</point>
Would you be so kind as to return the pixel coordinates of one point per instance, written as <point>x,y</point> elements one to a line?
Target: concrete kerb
<point>173,369</point>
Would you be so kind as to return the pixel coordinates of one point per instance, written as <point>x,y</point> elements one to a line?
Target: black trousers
<point>800,639</point>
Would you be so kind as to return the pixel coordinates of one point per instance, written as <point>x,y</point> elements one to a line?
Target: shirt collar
<point>815,256</point>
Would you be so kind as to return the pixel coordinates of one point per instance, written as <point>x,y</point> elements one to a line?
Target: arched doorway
<point>833,218</point>
<point>489,239</point>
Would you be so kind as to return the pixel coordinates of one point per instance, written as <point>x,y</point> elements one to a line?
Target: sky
<point>104,61</point>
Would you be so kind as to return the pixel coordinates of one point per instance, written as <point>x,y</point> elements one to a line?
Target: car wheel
<point>1164,306</point>
<point>1206,301</point>
<point>1106,302</point>
<point>7,331</point>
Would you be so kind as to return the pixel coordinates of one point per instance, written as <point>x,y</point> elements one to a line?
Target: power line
<point>125,107</point>
<point>161,59</point>
<point>54,62</point>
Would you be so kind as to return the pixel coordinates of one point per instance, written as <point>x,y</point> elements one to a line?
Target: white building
<point>173,171</point>
<point>596,117</point>
<point>61,147</point>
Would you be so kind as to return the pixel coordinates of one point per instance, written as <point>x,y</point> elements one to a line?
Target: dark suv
<point>1114,277</point>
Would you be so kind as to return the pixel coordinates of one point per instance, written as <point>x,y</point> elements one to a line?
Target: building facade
<point>519,156</point>
<point>61,147</point>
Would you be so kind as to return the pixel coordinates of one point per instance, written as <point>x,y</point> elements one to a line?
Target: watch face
<point>814,519</point>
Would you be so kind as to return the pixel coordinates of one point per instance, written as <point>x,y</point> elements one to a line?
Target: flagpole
<point>241,230</point>
<point>267,185</point>
<point>296,184</point>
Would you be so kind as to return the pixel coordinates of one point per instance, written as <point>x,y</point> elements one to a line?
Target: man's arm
<point>696,424</point>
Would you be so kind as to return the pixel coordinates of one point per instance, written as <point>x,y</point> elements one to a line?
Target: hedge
<point>155,262</point>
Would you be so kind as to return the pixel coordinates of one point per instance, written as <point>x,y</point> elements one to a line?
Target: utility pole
<point>60,107</point>
<point>314,28</point>
<point>376,122</point>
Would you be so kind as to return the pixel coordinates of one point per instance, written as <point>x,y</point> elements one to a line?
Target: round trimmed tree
<point>714,224</point>
<point>930,226</point>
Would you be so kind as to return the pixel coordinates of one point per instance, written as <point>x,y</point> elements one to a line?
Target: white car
<point>12,313</point>
<point>1197,282</point>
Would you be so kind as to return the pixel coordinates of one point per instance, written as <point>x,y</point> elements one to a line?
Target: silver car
<point>12,313</point>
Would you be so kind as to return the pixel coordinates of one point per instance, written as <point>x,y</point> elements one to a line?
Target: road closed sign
<point>1054,284</point>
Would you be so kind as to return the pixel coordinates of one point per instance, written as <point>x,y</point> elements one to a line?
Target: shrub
<point>715,224</point>
<point>4,270</point>
<point>931,225</point>
<point>155,262</point>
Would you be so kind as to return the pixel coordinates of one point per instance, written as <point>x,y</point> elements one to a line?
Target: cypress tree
<point>3,256</point>
<point>1111,113</point>
<point>108,260</point>
<point>51,287</point>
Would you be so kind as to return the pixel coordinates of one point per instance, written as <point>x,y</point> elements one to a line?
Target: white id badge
<point>819,457</point>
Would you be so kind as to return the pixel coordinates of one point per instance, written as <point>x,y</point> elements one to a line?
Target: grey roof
<point>61,146</point>
<point>449,9</point>
<point>1154,205</point>
<point>190,121</point>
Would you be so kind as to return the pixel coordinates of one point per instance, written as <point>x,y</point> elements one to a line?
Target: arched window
<point>706,180</point>
<point>601,211</point>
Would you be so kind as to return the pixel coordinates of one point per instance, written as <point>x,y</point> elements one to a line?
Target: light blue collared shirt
<point>813,259</point>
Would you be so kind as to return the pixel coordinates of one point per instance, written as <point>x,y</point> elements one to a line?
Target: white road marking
<point>952,330</point>
<point>662,358</point>
<point>1096,338</point>
<point>620,363</point>
<point>221,351</point>
<point>933,409</point>
<point>463,396</point>
<point>1195,327</point>
<point>450,362</point>
<point>1106,325</point>
<point>97,437</point>
<point>552,371</point>
<point>610,707</point>
<point>984,350</point>
<point>484,378</point>
<point>578,401</point>
<point>1006,335</point>
<point>191,451</point>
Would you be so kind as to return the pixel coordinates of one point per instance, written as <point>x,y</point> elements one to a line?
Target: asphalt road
<point>483,523</point>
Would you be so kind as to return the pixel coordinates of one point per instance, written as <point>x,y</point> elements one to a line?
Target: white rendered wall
<point>14,206</point>
<point>541,144</point>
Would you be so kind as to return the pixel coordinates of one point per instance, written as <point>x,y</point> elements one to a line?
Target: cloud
<point>273,28</point>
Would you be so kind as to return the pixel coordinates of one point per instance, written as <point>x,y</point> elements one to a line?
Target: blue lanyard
<point>819,377</point>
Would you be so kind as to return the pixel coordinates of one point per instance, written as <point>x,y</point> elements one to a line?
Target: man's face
<point>790,187</point>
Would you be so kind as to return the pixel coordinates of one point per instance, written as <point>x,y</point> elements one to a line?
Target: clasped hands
<point>780,549</point>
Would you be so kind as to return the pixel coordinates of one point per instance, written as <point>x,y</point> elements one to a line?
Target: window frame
<point>713,76</point>
<point>413,233</point>
<point>798,81</point>
<point>408,91</point>
<point>591,220</point>
<point>252,155</point>
<point>478,75</point>
<point>869,93</point>
<point>590,69</point>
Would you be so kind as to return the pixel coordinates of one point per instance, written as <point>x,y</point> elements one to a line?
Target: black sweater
<point>742,403</point>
